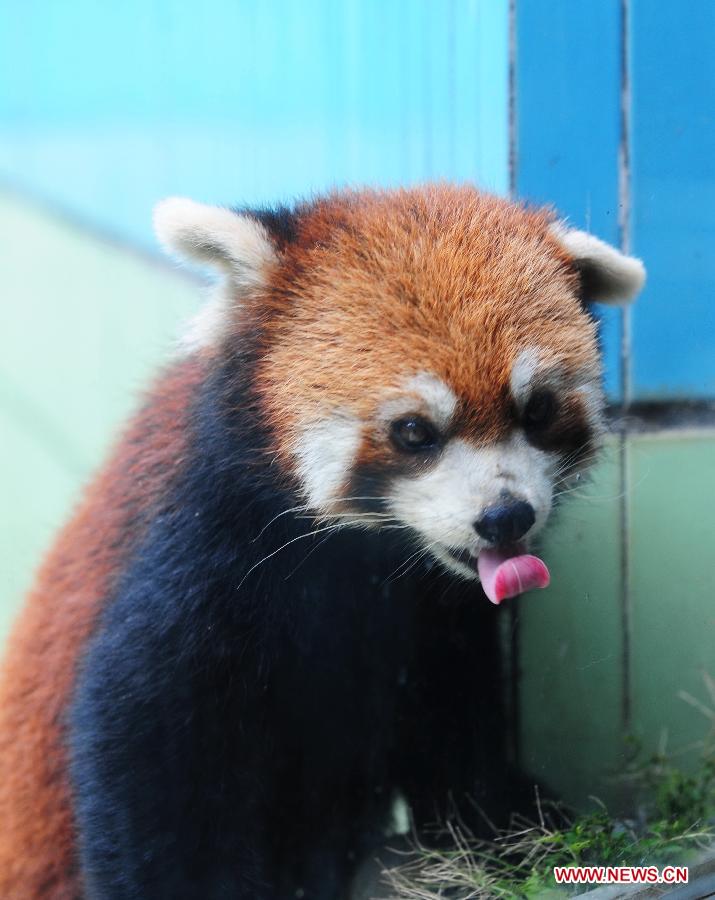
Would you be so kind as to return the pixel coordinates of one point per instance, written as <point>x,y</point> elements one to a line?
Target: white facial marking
<point>591,393</point>
<point>324,456</point>
<point>443,503</point>
<point>615,277</point>
<point>523,371</point>
<point>532,369</point>
<point>436,395</point>
<point>422,392</point>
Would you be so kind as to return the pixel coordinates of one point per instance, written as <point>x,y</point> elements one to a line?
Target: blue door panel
<point>568,63</point>
<point>673,197</point>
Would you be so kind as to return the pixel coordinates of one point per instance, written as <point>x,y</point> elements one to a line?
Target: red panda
<point>265,621</point>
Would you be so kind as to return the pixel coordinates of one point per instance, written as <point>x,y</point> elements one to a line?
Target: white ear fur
<point>234,243</point>
<point>608,275</point>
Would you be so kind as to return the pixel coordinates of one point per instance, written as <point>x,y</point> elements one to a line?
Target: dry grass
<point>677,814</point>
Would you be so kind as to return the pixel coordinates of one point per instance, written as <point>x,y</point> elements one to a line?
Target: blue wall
<point>567,107</point>
<point>104,108</point>
<point>672,72</point>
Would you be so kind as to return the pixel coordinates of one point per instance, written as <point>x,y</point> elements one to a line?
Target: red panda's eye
<point>414,434</point>
<point>540,411</point>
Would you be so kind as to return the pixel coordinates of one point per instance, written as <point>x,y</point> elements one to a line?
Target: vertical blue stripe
<point>568,83</point>
<point>673,210</point>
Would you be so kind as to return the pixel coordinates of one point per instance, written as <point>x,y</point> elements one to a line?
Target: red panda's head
<point>428,358</point>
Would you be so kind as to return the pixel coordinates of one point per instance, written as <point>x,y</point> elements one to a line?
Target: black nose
<point>506,523</point>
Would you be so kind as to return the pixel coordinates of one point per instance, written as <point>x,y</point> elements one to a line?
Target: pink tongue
<point>504,576</point>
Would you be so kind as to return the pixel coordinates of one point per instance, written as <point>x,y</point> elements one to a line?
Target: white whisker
<point>283,546</point>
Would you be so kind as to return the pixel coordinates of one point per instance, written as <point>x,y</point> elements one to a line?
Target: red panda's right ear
<point>607,275</point>
<point>236,244</point>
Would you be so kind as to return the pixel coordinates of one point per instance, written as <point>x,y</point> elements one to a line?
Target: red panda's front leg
<point>166,802</point>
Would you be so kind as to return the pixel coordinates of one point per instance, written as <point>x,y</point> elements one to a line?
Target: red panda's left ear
<point>607,275</point>
<point>236,244</point>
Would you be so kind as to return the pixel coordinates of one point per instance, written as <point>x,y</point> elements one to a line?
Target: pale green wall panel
<point>37,491</point>
<point>571,649</point>
<point>601,660</point>
<point>672,583</point>
<point>83,324</point>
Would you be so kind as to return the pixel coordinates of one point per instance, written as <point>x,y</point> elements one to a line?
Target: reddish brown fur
<point>376,288</point>
<point>36,834</point>
<point>382,285</point>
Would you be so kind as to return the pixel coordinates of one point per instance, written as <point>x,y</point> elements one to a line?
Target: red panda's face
<point>424,458</point>
<point>429,362</point>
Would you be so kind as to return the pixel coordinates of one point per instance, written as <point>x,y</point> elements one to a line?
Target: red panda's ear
<point>607,275</point>
<point>236,244</point>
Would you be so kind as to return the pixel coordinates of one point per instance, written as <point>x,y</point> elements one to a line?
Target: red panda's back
<point>37,853</point>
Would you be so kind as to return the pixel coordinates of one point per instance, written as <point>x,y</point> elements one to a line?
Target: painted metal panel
<point>673,196</point>
<point>671,583</point>
<point>568,85</point>
<point>105,108</point>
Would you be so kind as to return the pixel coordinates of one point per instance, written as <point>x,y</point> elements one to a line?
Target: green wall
<point>628,625</point>
<point>83,323</point>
